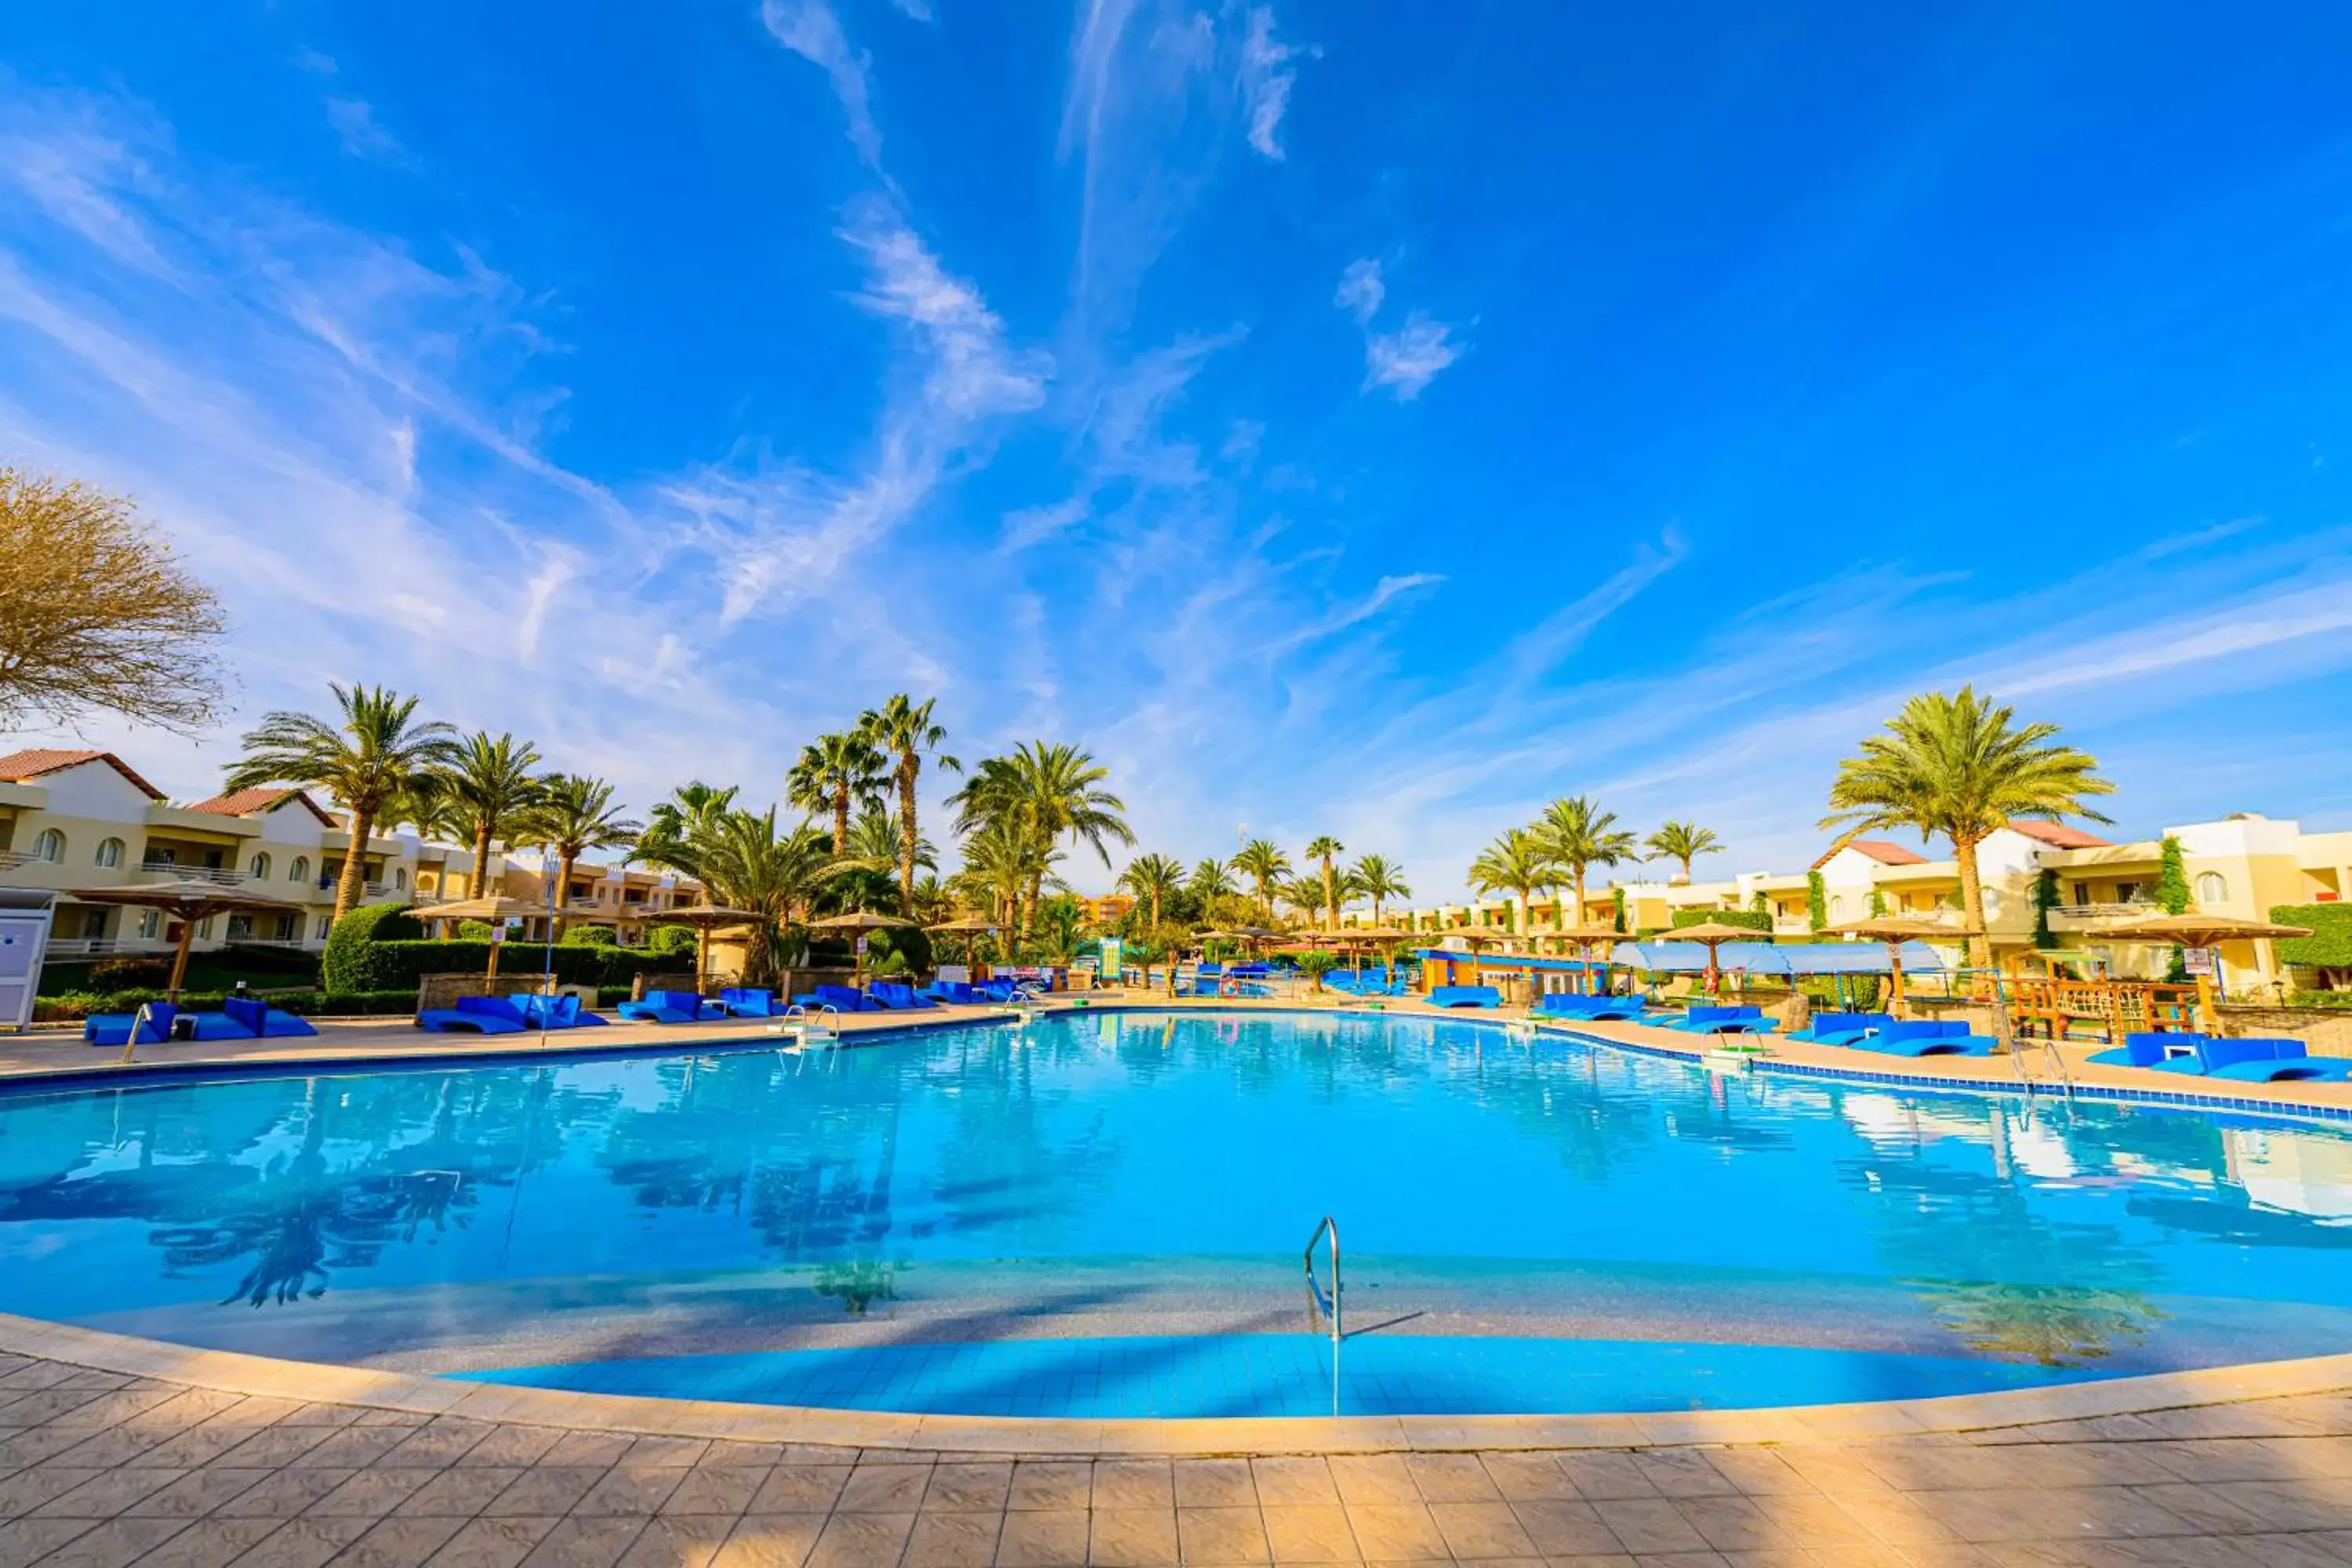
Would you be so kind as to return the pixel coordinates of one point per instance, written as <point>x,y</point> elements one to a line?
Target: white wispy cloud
<point>355,121</point>
<point>1266,77</point>
<point>811,29</point>
<point>917,9</point>
<point>972,372</point>
<point>1402,362</point>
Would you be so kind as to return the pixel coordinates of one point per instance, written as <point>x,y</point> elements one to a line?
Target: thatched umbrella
<point>188,901</point>
<point>969,927</point>
<point>1585,939</point>
<point>2198,930</point>
<point>1897,930</point>
<point>705,918</point>
<point>861,921</point>
<point>1713,934</point>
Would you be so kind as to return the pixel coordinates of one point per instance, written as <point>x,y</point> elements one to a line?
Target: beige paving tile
<point>28,1541</point>
<point>27,1491</point>
<point>303,1542</point>
<point>799,1489</point>
<point>2064,1513</point>
<point>1309,1533</point>
<point>398,1543</point>
<point>1133,1537</point>
<point>209,1544</point>
<point>1738,1523</point>
<point>371,1494</point>
<point>1229,1534</point>
<point>885,1487</point>
<point>1396,1532</point>
<point>584,1543</point>
<point>1372,1479</point>
<point>1215,1483</point>
<point>2315,1503</point>
<point>1527,1477</point>
<point>631,1488</point>
<point>439,1442</point>
<point>1056,1484</point>
<point>678,1540</point>
<point>1565,1527</point>
<point>862,1540</point>
<point>491,1543</point>
<point>105,1494</point>
<point>965,1539</point>
<point>511,1446</point>
<point>196,1494</point>
<point>1476,1531</point>
<point>266,1448</point>
<point>771,1541</point>
<point>1451,1478</point>
<point>545,1489</point>
<point>1683,1473</point>
<point>1600,1477</point>
<point>1134,1484</point>
<point>723,1488</point>
<point>115,1543</point>
<point>1044,1538</point>
<point>1649,1526</point>
<point>1293,1481</point>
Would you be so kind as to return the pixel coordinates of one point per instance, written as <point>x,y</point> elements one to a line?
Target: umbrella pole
<point>1894,979</point>
<point>701,959</point>
<point>179,960</point>
<point>2205,1018</point>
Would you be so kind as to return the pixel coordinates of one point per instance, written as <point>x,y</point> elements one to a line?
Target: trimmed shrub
<point>473,931</point>
<point>1817,903</point>
<point>890,965</point>
<point>2329,945</point>
<point>401,966</point>
<point>912,944</point>
<point>130,973</point>
<point>591,936</point>
<point>1746,920</point>
<point>349,939</point>
<point>2342,999</point>
<point>2172,881</point>
<point>669,942</point>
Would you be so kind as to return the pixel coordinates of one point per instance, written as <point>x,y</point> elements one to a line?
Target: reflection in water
<point>1088,1157</point>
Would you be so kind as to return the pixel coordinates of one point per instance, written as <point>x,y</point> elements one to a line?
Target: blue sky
<point>1374,420</point>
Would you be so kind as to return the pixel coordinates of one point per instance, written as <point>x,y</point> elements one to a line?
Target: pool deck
<point>115,1449</point>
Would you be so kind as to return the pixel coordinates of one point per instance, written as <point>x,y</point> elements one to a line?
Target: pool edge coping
<point>239,1373</point>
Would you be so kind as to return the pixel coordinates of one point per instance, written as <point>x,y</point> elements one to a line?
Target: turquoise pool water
<point>1104,1214</point>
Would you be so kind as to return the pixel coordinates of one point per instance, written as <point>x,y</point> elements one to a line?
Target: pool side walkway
<point>116,1451</point>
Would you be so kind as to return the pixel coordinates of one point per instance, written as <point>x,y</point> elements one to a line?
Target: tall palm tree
<point>835,773</point>
<point>1048,791</point>
<point>1262,862</point>
<point>1379,881</point>
<point>575,815</point>
<point>488,786</point>
<point>1961,766</point>
<point>746,863</point>
<point>1154,878</point>
<point>1329,850</point>
<point>902,731</point>
<point>373,756</point>
<point>689,805</point>
<point>1516,864</point>
<point>1001,859</point>
<point>1576,836</point>
<point>1212,880</point>
<point>1685,842</point>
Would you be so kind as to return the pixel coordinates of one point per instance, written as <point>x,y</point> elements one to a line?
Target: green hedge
<point>2341,999</point>
<point>912,941</point>
<point>1746,920</point>
<point>397,965</point>
<point>2329,945</point>
<point>309,1004</point>
<point>349,938</point>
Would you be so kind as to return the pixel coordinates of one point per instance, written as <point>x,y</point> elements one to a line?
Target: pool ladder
<point>1319,1305</point>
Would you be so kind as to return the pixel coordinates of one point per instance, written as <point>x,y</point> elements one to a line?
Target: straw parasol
<point>969,927</point>
<point>861,921</point>
<point>705,918</point>
<point>1713,934</point>
<point>2198,930</point>
<point>1584,938</point>
<point>188,901</point>
<point>496,908</point>
<point>1897,930</point>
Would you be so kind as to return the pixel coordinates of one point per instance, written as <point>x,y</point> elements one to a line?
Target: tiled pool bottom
<point>1291,1374</point>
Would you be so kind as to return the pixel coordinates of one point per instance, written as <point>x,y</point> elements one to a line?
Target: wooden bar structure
<point>2050,1008</point>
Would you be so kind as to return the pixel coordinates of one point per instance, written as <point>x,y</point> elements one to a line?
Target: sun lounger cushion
<point>114,1028</point>
<point>2152,1049</point>
<point>476,1014</point>
<point>671,1007</point>
<point>211,1026</point>
<point>264,1021</point>
<point>1842,1028</point>
<point>1723,1021</point>
<point>841,998</point>
<point>751,1002</point>
<point>1466,996</point>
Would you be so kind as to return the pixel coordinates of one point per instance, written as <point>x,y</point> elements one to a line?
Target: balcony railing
<point>2135,908</point>
<point>105,946</point>
<point>12,858</point>
<point>166,872</point>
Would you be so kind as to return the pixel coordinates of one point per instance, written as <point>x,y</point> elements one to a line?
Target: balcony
<point>107,946</point>
<point>168,871</point>
<point>10,860</point>
<point>2085,914</point>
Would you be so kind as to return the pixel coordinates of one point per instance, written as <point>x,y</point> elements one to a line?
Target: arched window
<point>109,854</point>
<point>301,870</point>
<point>50,846</point>
<point>2211,888</point>
<point>1837,907</point>
<point>400,877</point>
<point>260,868</point>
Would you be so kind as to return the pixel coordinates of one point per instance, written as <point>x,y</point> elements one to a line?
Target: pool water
<point>1103,1214</point>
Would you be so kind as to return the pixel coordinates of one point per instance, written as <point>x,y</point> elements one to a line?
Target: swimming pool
<point>1102,1214</point>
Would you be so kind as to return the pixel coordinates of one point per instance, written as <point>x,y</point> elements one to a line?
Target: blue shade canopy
<point>1764,958</point>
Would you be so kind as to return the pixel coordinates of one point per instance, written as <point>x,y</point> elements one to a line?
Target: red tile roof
<point>2058,835</point>
<point>269,797</point>
<point>19,766</point>
<point>1880,851</point>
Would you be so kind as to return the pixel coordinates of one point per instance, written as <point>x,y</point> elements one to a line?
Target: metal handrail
<point>1330,1306</point>
<point>138,1027</point>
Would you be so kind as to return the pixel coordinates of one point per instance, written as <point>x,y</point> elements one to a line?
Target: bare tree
<point>97,613</point>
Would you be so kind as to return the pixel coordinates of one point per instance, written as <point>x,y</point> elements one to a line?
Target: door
<point>24,938</point>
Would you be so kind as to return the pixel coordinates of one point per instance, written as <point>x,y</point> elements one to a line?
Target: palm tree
<point>376,756</point>
<point>1304,894</point>
<point>1516,864</point>
<point>1683,841</point>
<point>902,731</point>
<point>1261,863</point>
<point>1212,880</point>
<point>1046,791</point>
<point>574,815</point>
<point>1379,881</point>
<point>689,805</point>
<point>1329,850</point>
<point>488,786</point>
<point>745,863</point>
<point>1959,767</point>
<point>1000,862</point>
<point>1576,836</point>
<point>1154,878</point>
<point>833,773</point>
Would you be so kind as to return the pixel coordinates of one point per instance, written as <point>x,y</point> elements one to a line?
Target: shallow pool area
<point>1102,1214</point>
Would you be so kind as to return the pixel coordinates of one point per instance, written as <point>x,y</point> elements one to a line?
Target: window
<point>93,923</point>
<point>204,928</point>
<point>2211,888</point>
<point>50,846</point>
<point>259,867</point>
<point>150,924</point>
<point>1837,907</point>
<point>2082,893</point>
<point>301,870</point>
<point>109,854</point>
<point>324,922</point>
<point>400,877</point>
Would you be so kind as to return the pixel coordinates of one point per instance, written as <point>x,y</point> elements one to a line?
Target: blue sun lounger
<point>2257,1059</point>
<point>742,1001</point>
<point>1722,1021</point>
<point>954,993</point>
<point>263,1022</point>
<point>114,1028</point>
<point>474,1015</point>
<point>1926,1038</point>
<point>562,1011</point>
<point>897,995</point>
<point>1466,996</point>
<point>2163,1052</point>
<point>672,1007</point>
<point>1570,1005</point>
<point>1842,1028</point>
